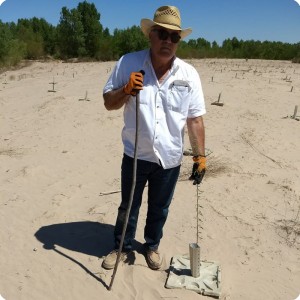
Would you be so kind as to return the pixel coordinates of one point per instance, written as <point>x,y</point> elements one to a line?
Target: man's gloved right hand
<point>134,84</point>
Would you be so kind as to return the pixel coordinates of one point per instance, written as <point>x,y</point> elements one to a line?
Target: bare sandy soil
<point>60,156</point>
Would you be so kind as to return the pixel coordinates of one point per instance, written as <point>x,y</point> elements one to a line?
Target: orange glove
<point>199,168</point>
<point>134,84</point>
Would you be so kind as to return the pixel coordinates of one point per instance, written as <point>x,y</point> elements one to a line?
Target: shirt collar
<point>174,67</point>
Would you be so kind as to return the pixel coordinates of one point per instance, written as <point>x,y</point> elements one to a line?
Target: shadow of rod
<point>82,266</point>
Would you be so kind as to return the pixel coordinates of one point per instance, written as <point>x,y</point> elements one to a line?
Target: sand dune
<point>60,155</point>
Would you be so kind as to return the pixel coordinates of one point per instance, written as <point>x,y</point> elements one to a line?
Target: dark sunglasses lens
<point>164,35</point>
<point>175,37</point>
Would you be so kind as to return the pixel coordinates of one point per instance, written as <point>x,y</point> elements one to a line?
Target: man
<point>170,97</point>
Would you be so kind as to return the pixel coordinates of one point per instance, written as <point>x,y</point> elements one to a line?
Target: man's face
<point>164,42</point>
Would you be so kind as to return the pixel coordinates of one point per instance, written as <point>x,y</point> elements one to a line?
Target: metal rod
<point>197,214</point>
<point>131,192</point>
<point>295,112</point>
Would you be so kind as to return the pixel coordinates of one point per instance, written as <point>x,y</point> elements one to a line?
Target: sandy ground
<point>60,156</point>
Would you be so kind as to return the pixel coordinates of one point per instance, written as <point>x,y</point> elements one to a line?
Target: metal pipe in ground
<point>195,259</point>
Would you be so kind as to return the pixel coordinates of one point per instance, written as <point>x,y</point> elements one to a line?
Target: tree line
<point>79,34</point>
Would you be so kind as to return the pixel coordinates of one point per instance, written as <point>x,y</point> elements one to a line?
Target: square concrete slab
<point>180,276</point>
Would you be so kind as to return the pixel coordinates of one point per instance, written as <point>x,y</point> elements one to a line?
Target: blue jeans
<point>161,186</point>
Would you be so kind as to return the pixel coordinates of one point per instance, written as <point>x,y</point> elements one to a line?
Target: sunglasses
<point>163,35</point>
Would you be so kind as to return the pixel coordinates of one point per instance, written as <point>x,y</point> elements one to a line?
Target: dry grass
<point>214,167</point>
<point>22,64</point>
<point>289,230</point>
<point>10,152</point>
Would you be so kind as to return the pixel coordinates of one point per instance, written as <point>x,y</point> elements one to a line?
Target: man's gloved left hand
<point>198,171</point>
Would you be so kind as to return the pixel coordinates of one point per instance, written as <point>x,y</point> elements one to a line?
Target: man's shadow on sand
<point>91,238</point>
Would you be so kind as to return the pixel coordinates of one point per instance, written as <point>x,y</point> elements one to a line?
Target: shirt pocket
<point>179,96</point>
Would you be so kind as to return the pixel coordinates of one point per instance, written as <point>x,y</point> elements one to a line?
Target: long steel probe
<point>197,214</point>
<point>132,189</point>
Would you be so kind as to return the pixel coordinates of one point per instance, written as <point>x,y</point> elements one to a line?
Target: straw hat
<point>167,17</point>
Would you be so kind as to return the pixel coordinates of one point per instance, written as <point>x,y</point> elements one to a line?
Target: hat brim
<point>147,24</point>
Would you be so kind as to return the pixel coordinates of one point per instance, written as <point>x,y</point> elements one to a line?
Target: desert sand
<point>60,156</point>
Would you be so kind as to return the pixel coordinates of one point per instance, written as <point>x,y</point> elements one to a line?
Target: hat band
<point>170,24</point>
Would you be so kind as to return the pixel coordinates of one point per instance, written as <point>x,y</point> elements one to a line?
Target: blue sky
<point>214,20</point>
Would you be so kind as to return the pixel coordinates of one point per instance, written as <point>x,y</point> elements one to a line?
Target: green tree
<point>203,44</point>
<point>47,32</point>
<point>183,49</point>
<point>267,50</point>
<point>70,34</point>
<point>227,47</point>
<point>296,56</point>
<point>12,50</point>
<point>192,43</point>
<point>251,49</point>
<point>32,39</point>
<point>106,50</point>
<point>215,50</point>
<point>5,38</point>
<point>128,40</point>
<point>92,29</point>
